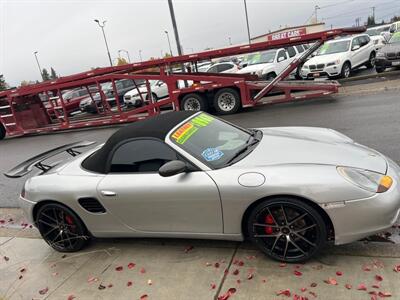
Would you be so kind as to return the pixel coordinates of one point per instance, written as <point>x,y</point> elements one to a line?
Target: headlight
<point>380,54</point>
<point>367,180</point>
<point>336,62</point>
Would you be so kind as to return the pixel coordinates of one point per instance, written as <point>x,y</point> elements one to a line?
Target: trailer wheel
<point>2,131</point>
<point>227,101</point>
<point>194,102</point>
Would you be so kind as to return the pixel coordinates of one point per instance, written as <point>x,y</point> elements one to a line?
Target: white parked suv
<point>378,35</point>
<point>268,64</point>
<point>337,58</point>
<point>159,90</point>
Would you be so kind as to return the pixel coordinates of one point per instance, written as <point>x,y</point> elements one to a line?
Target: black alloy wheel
<point>287,230</point>
<point>61,228</point>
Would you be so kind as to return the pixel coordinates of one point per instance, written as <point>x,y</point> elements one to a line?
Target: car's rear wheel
<point>286,229</point>
<point>194,102</point>
<point>155,98</point>
<point>61,228</point>
<point>371,61</point>
<point>346,70</point>
<point>227,101</point>
<point>379,69</point>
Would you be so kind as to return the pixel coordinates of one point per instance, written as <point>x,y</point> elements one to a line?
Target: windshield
<point>210,140</point>
<point>372,32</point>
<point>261,58</point>
<point>334,47</point>
<point>395,38</point>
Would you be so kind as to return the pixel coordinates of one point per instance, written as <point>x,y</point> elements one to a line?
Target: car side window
<point>291,51</point>
<point>141,156</point>
<point>356,41</point>
<point>282,53</point>
<point>300,48</point>
<point>213,69</point>
<point>224,67</point>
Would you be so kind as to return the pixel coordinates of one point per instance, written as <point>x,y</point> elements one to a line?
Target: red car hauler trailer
<point>41,108</point>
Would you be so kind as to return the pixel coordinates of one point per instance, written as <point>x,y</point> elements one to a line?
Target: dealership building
<point>289,32</point>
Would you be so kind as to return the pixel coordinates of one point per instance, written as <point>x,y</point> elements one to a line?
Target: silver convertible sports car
<point>290,190</point>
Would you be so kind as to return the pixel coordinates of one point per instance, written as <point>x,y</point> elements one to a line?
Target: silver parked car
<point>290,190</point>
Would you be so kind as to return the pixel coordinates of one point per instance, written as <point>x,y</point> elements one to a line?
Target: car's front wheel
<point>286,229</point>
<point>379,69</point>
<point>61,228</point>
<point>346,70</point>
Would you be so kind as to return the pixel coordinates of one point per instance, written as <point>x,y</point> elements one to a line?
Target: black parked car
<point>389,55</point>
<point>122,86</point>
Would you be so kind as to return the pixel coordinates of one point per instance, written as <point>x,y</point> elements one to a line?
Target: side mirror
<point>244,65</point>
<point>281,58</point>
<point>391,30</point>
<point>172,168</point>
<point>355,47</point>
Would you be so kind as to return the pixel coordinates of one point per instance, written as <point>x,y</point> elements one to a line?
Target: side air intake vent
<point>92,204</point>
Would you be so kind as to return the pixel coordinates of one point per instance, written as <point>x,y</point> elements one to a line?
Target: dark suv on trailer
<point>389,55</point>
<point>122,86</point>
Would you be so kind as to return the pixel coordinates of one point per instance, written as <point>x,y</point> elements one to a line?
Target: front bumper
<point>386,63</point>
<point>357,219</point>
<point>331,71</point>
<point>133,101</point>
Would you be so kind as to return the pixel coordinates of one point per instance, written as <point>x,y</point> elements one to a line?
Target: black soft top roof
<point>153,127</point>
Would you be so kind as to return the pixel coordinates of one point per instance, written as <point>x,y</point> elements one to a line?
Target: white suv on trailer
<point>337,58</point>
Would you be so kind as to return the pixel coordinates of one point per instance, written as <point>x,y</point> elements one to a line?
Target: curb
<point>371,76</point>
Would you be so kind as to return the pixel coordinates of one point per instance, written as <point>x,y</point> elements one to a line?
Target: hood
<point>324,59</point>
<point>309,145</point>
<point>395,47</point>
<point>252,68</point>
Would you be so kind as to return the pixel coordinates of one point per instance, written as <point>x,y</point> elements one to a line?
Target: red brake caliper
<point>69,220</point>
<point>269,220</point>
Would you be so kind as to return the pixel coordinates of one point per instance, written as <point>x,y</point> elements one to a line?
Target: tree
<point>45,74</point>
<point>395,19</point>
<point>121,61</point>
<point>371,21</point>
<point>3,84</point>
<point>53,74</point>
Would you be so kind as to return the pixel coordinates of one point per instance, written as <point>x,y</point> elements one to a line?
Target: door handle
<point>108,193</point>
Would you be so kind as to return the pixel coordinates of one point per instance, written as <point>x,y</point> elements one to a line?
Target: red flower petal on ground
<point>44,291</point>
<point>2,221</point>
<point>142,270</point>
<point>366,268</point>
<point>188,248</point>
<point>283,293</point>
<point>101,287</point>
<point>131,265</point>
<point>213,286</point>
<point>362,287</point>
<point>374,297</point>
<point>71,297</point>
<point>378,278</point>
<point>217,265</point>
<point>314,284</point>
<point>303,289</point>
<point>331,281</point>
<point>373,293</point>
<point>119,268</point>
<point>226,271</point>
<point>144,297</point>
<point>299,297</point>
<point>129,283</point>
<point>235,272</point>
<point>313,294</point>
<point>250,276</point>
<point>241,263</point>
<point>376,286</point>
<point>297,273</point>
<point>348,286</point>
<point>229,293</point>
<point>339,273</point>
<point>110,285</point>
<point>251,257</point>
<point>282,265</point>
<point>384,294</point>
<point>397,268</point>
<point>6,258</point>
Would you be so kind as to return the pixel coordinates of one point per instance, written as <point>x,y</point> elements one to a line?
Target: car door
<point>161,89</point>
<point>225,67</point>
<point>282,61</point>
<point>356,52</point>
<point>145,201</point>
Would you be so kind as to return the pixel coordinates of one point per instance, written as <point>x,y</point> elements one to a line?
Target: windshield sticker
<point>183,133</point>
<point>212,154</point>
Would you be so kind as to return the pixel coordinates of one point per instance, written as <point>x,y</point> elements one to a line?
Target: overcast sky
<point>67,38</point>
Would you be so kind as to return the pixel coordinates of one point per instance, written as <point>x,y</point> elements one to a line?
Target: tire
<point>371,61</point>
<point>227,101</point>
<point>155,98</point>
<point>61,228</point>
<point>2,132</point>
<point>380,69</point>
<point>194,102</point>
<point>286,231</point>
<point>270,76</point>
<point>346,70</point>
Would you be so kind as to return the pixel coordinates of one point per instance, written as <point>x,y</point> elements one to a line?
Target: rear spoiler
<point>37,161</point>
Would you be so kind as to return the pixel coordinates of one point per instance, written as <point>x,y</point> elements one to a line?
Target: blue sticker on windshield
<point>211,154</point>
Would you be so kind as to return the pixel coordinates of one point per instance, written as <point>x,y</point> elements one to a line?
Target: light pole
<point>127,53</point>
<point>37,60</point>
<point>105,39</point>
<point>247,20</point>
<point>140,55</point>
<point>316,13</point>
<point>169,43</point>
